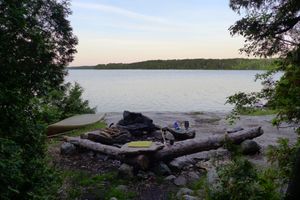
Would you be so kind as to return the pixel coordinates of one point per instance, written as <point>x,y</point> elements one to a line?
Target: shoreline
<point>209,123</point>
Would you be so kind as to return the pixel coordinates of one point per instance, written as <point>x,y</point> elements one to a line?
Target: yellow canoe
<point>77,121</point>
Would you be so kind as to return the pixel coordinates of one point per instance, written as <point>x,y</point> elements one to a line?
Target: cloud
<point>119,11</point>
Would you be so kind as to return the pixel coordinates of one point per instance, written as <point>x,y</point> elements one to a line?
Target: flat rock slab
<point>155,146</point>
<point>74,122</point>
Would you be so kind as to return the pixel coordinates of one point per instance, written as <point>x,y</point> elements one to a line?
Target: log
<point>98,147</point>
<point>197,145</point>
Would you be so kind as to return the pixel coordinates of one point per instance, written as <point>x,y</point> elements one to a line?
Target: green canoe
<point>77,121</point>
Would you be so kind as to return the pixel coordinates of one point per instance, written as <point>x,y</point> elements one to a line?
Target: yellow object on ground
<point>140,144</point>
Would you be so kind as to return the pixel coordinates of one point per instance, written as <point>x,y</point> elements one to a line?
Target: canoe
<point>75,122</point>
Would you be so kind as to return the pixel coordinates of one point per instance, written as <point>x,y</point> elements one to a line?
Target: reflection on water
<point>162,90</point>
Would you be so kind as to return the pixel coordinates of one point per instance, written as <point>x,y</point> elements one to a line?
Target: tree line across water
<point>213,64</point>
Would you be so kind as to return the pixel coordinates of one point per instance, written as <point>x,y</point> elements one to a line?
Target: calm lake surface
<point>162,90</point>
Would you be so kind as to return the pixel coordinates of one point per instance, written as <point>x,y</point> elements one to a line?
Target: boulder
<point>67,148</point>
<point>180,162</point>
<point>125,170</point>
<point>193,176</point>
<point>180,181</point>
<point>170,178</point>
<point>162,169</point>
<point>249,147</point>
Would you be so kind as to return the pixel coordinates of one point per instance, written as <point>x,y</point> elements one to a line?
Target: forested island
<point>213,64</point>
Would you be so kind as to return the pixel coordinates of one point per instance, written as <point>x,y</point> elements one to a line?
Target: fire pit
<point>114,141</point>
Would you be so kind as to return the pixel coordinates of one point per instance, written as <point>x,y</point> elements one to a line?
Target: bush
<point>240,180</point>
<point>61,104</point>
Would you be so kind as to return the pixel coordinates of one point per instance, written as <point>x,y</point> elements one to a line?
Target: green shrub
<point>61,104</point>
<point>240,180</point>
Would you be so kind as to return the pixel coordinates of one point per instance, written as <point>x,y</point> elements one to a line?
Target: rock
<point>249,147</point>
<point>170,178</point>
<point>113,198</point>
<point>122,188</point>
<point>183,191</point>
<point>180,181</point>
<point>180,162</point>
<point>67,148</point>
<point>189,197</point>
<point>193,176</point>
<point>125,170</point>
<point>162,169</point>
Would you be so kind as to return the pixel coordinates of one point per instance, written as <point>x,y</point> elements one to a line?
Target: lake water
<point>162,90</point>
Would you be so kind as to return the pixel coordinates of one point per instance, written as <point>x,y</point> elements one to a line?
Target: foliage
<point>240,180</point>
<point>36,44</point>
<point>283,157</point>
<point>62,104</point>
<point>271,28</point>
<point>231,64</point>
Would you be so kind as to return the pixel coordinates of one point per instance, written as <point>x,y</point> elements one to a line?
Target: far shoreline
<point>188,64</point>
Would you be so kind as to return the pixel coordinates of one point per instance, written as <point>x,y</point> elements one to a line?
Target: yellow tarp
<point>140,144</point>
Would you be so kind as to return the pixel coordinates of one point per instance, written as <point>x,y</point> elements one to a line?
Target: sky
<point>124,31</point>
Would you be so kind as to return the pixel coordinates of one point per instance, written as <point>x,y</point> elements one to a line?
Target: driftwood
<point>98,147</point>
<point>170,152</point>
<point>196,145</point>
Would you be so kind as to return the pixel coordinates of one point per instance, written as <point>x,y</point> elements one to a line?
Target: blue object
<point>176,126</point>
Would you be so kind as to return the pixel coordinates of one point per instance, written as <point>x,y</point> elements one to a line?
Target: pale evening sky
<point>137,30</point>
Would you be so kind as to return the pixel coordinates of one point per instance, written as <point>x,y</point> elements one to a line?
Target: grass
<point>258,112</point>
<point>83,185</point>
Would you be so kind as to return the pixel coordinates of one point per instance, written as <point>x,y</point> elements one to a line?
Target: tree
<point>36,44</point>
<point>272,28</point>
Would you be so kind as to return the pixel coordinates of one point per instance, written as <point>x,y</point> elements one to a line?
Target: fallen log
<point>197,145</point>
<point>98,147</point>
